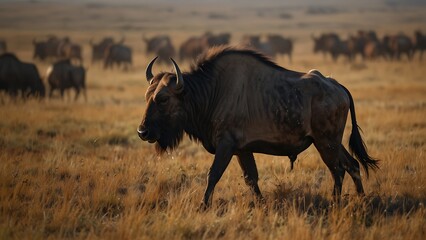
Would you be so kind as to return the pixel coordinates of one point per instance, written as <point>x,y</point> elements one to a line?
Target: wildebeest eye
<point>162,100</point>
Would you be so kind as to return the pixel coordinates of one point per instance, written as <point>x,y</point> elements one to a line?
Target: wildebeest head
<point>163,122</point>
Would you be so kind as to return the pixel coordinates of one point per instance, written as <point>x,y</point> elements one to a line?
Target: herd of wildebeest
<point>67,71</point>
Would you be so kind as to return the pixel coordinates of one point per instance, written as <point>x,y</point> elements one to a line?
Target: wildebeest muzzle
<point>146,135</point>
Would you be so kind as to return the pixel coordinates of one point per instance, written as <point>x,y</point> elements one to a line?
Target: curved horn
<point>148,71</point>
<point>179,78</point>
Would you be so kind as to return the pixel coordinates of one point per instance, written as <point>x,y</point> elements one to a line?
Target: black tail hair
<point>356,144</point>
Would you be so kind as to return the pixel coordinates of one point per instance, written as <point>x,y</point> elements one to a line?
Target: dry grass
<point>78,170</point>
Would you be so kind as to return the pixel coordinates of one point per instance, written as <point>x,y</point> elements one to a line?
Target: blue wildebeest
<point>396,45</point>
<point>237,102</point>
<point>98,49</point>
<point>160,45</point>
<point>17,76</point>
<point>62,75</point>
<point>118,54</point>
<point>195,46</point>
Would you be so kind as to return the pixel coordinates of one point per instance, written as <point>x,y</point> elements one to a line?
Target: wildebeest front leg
<point>221,160</point>
<point>62,93</point>
<point>251,177</point>
<point>77,93</point>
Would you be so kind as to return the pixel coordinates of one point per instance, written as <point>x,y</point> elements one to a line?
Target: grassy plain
<point>78,170</point>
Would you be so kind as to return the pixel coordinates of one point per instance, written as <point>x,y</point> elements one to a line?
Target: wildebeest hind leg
<point>352,167</point>
<point>329,152</point>
<point>251,177</point>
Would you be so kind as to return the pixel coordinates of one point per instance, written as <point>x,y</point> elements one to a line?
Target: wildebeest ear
<point>179,78</point>
<point>148,71</point>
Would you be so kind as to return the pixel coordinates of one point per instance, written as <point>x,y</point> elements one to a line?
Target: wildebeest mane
<point>208,59</point>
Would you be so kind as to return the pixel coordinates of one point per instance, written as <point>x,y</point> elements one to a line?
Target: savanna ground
<point>78,169</point>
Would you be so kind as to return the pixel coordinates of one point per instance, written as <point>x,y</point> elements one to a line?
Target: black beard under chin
<point>169,141</point>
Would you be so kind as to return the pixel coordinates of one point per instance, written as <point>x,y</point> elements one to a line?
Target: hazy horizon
<point>334,3</point>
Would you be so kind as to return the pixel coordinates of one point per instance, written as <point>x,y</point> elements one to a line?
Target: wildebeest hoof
<point>203,207</point>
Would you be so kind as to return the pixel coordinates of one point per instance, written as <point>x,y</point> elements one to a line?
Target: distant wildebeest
<point>32,80</point>
<point>215,40</point>
<point>98,49</point>
<point>192,48</point>
<point>397,45</point>
<point>195,46</point>
<point>118,54</point>
<point>46,49</point>
<point>254,42</point>
<point>330,43</point>
<point>272,46</point>
<point>40,50</point>
<point>161,46</point>
<point>56,48</point>
<point>326,44</point>
<point>3,46</point>
<point>280,45</point>
<point>237,102</point>
<point>62,75</point>
<point>342,48</point>
<point>420,43</point>
<point>67,49</point>
<point>18,76</point>
<point>154,43</point>
<point>357,44</point>
<point>372,50</point>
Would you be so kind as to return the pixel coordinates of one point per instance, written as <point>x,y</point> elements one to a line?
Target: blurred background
<point>22,21</point>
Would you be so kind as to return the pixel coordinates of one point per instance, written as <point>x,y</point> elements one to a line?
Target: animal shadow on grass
<point>365,208</point>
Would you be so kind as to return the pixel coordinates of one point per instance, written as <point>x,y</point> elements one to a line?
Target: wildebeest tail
<point>356,144</point>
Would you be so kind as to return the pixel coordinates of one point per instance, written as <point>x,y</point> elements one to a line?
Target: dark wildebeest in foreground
<point>98,49</point>
<point>161,46</point>
<point>18,76</point>
<point>118,54</point>
<point>237,102</point>
<point>62,75</point>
